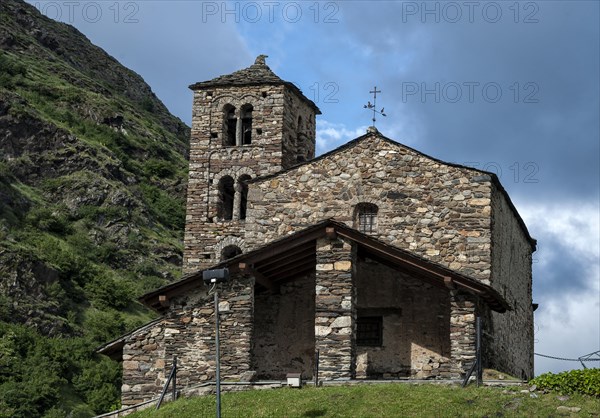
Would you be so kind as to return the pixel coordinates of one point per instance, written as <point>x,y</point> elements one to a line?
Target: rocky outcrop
<point>92,165</point>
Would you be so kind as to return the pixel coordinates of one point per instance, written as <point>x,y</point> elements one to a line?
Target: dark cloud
<point>560,269</point>
<point>547,73</point>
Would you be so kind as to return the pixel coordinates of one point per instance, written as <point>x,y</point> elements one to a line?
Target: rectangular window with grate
<point>366,218</point>
<point>366,222</point>
<point>369,331</point>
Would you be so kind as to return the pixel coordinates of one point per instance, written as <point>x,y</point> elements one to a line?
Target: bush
<point>586,382</point>
<point>170,211</point>
<point>107,292</point>
<point>34,370</point>
<point>48,219</point>
<point>10,69</point>
<point>159,168</point>
<point>98,383</point>
<point>147,104</point>
<point>103,326</point>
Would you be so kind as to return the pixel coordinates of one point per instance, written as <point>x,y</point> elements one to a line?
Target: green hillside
<point>92,186</point>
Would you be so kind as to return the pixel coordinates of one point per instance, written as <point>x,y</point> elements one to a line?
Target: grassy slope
<point>381,400</point>
<point>92,186</point>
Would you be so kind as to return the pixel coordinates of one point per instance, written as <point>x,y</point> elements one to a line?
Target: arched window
<point>365,217</point>
<point>230,251</point>
<point>247,124</point>
<point>229,125</point>
<point>226,195</point>
<point>244,194</point>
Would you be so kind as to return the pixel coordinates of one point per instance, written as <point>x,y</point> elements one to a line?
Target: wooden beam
<point>292,254</point>
<point>286,263</point>
<point>282,247</point>
<point>262,279</point>
<point>297,273</point>
<point>330,233</point>
<point>293,268</point>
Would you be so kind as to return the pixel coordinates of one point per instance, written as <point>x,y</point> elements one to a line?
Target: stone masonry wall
<point>416,324</point>
<point>299,127</point>
<point>335,310</point>
<point>144,367</point>
<point>512,342</point>
<point>284,330</point>
<point>463,311</point>
<point>275,110</point>
<point>432,209</point>
<point>188,332</point>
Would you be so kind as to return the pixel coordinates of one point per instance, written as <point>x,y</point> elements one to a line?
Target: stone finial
<point>372,130</point>
<point>260,60</point>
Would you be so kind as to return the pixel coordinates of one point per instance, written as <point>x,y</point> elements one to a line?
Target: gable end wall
<point>435,210</point>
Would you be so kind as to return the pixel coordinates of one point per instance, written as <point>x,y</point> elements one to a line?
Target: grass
<point>380,400</point>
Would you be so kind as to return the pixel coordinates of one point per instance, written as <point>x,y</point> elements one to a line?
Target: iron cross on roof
<point>373,106</point>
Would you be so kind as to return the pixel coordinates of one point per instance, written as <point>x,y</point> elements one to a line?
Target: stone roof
<point>302,245</point>
<point>258,73</point>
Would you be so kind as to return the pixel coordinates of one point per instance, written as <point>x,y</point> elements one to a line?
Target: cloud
<point>332,135</point>
<point>527,92</point>
<point>568,327</point>
<point>566,280</point>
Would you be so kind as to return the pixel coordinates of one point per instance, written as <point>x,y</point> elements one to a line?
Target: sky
<point>505,86</point>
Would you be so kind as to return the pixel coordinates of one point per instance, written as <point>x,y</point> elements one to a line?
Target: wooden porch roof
<point>295,255</point>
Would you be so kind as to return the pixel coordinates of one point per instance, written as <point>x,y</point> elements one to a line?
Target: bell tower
<point>244,125</point>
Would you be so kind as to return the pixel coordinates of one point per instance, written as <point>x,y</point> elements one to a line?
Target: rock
<point>533,388</point>
<point>563,398</point>
<point>568,409</point>
<point>249,376</point>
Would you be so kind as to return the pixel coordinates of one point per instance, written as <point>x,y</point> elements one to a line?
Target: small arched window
<point>226,195</point>
<point>244,194</point>
<point>247,124</point>
<point>229,125</point>
<point>230,251</point>
<point>365,217</point>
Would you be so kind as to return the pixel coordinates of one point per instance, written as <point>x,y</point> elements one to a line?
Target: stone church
<point>375,255</point>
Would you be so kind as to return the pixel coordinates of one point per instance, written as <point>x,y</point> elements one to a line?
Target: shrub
<point>98,383</point>
<point>586,382</point>
<point>103,326</point>
<point>147,104</point>
<point>49,219</point>
<point>106,292</point>
<point>170,211</point>
<point>159,168</point>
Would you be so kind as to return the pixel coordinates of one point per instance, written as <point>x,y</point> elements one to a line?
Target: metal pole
<point>316,368</point>
<point>478,351</point>
<point>218,361</point>
<point>174,378</point>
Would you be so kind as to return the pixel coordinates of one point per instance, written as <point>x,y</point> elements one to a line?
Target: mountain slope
<point>92,185</point>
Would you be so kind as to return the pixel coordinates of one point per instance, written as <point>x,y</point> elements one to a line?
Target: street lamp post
<point>213,277</point>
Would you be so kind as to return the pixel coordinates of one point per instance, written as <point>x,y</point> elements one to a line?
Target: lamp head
<point>215,276</point>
